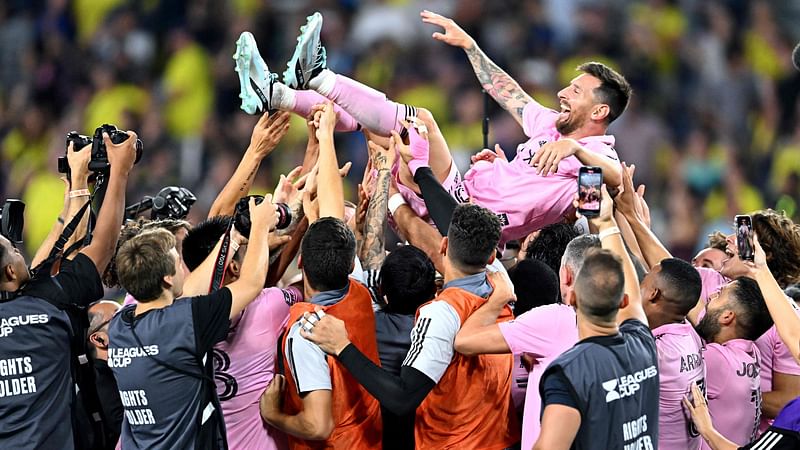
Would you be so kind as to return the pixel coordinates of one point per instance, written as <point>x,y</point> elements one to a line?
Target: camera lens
<point>284,215</point>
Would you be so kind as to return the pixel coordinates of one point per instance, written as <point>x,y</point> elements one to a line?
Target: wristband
<point>608,232</point>
<point>79,193</point>
<point>396,201</point>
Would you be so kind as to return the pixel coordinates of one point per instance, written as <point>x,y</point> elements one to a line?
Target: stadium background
<point>713,126</point>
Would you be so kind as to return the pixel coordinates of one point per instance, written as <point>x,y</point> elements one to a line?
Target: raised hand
<point>381,158</point>
<point>268,132</point>
<point>122,156</point>
<point>489,155</point>
<point>453,34</point>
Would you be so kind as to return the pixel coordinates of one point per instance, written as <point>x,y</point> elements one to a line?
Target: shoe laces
<point>320,58</point>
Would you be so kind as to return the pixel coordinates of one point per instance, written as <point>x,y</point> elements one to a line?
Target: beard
<point>709,327</point>
<point>567,126</point>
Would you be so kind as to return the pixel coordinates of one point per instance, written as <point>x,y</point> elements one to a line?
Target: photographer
<point>159,347</point>
<point>37,399</point>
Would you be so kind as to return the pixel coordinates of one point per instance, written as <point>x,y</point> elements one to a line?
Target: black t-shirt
<point>211,318</point>
<point>77,283</point>
<point>36,328</point>
<point>164,378</point>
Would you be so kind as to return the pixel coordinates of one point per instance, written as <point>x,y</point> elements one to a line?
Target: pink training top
<point>546,332</point>
<point>244,364</point>
<point>525,201</point>
<point>415,201</point>
<point>734,389</point>
<point>679,365</point>
<point>775,356</point>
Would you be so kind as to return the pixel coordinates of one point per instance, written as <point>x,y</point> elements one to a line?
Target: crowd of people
<point>502,319</point>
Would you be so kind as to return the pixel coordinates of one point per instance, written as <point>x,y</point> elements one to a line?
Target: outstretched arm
<point>331,197</point>
<point>374,235</point>
<point>399,394</point>
<point>611,239</point>
<point>267,133</point>
<point>497,82</point>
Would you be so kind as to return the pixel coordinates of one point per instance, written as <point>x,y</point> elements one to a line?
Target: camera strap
<point>53,260</point>
<point>219,267</point>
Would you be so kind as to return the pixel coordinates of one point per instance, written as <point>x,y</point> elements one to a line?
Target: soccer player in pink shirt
<point>669,291</point>
<point>527,193</point>
<point>780,237</point>
<point>544,332</point>
<point>735,317</point>
<point>244,363</point>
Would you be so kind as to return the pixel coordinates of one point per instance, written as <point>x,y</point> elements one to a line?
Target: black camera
<point>170,203</point>
<point>242,215</point>
<point>99,158</point>
<point>12,220</point>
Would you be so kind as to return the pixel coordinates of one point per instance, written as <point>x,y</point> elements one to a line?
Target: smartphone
<point>590,179</point>
<point>744,237</point>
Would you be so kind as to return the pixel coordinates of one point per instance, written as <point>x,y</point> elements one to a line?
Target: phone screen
<point>590,180</point>
<point>744,238</point>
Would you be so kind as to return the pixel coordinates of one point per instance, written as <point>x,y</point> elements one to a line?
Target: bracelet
<point>396,201</point>
<point>608,232</point>
<point>79,193</point>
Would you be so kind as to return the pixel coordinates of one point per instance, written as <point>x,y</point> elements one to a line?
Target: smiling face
<point>577,102</point>
<point>733,267</point>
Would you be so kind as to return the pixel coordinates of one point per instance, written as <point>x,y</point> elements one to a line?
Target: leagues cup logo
<point>611,390</point>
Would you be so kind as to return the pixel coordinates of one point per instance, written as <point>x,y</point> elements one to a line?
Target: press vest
<point>164,408</point>
<point>356,413</point>
<point>615,382</point>
<point>470,407</point>
<point>36,391</point>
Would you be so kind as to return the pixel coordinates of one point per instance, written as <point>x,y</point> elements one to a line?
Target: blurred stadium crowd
<point>712,126</point>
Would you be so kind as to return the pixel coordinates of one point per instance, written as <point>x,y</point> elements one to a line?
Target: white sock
<point>323,83</point>
<point>283,97</point>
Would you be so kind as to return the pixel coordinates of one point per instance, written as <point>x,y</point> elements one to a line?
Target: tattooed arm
<point>497,83</point>
<point>374,237</point>
<point>266,134</point>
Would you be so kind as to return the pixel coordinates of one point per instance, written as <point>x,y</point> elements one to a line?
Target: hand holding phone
<point>744,237</point>
<point>590,180</point>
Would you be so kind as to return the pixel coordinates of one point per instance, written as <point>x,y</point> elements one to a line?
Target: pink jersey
<point>733,385</point>
<point>774,354</point>
<point>545,332</point>
<point>416,202</point>
<point>244,364</point>
<point>679,365</point>
<point>525,201</point>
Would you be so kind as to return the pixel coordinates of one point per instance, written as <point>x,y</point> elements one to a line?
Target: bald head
<point>101,311</point>
<point>100,314</point>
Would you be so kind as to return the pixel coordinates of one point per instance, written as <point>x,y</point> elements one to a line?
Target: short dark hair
<point>752,316</point>
<point>132,228</point>
<point>144,261</point>
<point>614,89</point>
<point>550,244</point>
<point>328,250</point>
<point>472,237</point>
<point>600,285</point>
<point>202,239</point>
<point>408,280</point>
<point>681,284</point>
<point>535,284</point>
